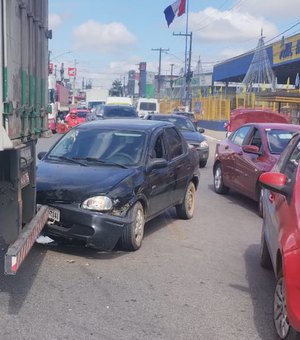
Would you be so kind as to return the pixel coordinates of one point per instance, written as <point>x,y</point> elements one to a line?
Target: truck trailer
<point>23,113</point>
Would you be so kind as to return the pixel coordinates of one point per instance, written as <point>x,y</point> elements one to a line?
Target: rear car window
<point>126,111</point>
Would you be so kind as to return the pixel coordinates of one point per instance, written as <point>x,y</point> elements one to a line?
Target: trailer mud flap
<point>18,251</point>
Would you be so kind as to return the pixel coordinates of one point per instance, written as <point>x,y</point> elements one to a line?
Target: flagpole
<point>186,34</point>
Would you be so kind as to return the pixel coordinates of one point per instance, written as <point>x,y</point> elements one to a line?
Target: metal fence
<point>218,108</point>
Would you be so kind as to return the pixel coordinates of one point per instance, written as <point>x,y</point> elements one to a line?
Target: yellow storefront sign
<point>286,50</point>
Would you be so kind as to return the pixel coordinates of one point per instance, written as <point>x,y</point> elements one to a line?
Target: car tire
<point>202,164</point>
<point>185,210</point>
<point>280,318</point>
<point>265,259</point>
<point>219,186</point>
<point>133,233</point>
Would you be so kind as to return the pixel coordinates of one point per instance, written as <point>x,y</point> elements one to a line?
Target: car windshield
<point>119,112</point>
<point>180,122</point>
<point>123,147</point>
<point>278,139</point>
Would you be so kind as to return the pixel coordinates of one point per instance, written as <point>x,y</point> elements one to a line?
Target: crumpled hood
<point>73,183</point>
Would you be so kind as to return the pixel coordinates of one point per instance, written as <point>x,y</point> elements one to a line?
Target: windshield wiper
<point>73,160</point>
<point>97,160</point>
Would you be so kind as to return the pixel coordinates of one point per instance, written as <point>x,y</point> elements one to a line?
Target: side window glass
<point>292,163</point>
<point>256,139</point>
<point>174,142</point>
<point>240,135</point>
<point>157,151</point>
<point>280,164</point>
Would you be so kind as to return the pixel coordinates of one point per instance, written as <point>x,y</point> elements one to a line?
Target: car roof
<point>118,105</point>
<point>125,123</point>
<point>284,126</point>
<point>183,113</point>
<point>167,115</point>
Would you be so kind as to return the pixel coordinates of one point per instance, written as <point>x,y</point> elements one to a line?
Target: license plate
<point>54,215</point>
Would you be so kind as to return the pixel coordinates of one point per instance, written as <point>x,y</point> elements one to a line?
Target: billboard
<point>288,49</point>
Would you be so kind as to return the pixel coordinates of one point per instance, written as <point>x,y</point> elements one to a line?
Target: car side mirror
<point>276,182</point>
<point>41,155</point>
<point>157,163</point>
<point>200,129</point>
<point>251,149</point>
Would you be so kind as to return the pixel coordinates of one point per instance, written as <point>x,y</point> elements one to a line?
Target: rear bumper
<point>18,251</point>
<point>96,230</point>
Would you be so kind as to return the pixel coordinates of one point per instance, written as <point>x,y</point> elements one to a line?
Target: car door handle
<point>240,153</point>
<point>271,198</point>
<point>226,147</point>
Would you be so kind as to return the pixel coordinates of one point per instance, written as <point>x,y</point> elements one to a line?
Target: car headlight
<point>98,203</point>
<point>204,144</point>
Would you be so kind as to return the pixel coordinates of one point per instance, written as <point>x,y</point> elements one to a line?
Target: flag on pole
<point>176,8</point>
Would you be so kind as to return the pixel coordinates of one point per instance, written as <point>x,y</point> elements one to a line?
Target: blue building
<point>284,56</point>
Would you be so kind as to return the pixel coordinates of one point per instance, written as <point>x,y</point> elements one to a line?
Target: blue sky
<point>108,38</point>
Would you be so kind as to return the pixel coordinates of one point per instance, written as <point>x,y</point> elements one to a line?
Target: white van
<point>119,101</point>
<point>147,105</point>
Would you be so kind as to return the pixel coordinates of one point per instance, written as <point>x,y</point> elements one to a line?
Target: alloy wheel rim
<point>280,313</point>
<point>139,226</point>
<point>190,202</point>
<point>218,178</point>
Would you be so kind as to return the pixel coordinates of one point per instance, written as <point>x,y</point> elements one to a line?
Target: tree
<point>116,89</point>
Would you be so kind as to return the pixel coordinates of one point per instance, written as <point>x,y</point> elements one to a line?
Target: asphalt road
<point>196,279</point>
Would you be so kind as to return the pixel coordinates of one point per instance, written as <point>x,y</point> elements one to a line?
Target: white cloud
<point>228,53</point>
<point>212,25</point>
<point>284,10</point>
<point>55,20</point>
<point>97,37</point>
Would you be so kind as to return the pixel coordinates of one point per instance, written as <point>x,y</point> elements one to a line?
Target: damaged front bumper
<point>97,230</point>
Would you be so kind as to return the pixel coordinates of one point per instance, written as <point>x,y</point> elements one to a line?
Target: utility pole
<point>171,80</point>
<point>188,73</point>
<point>159,69</point>
<point>74,81</point>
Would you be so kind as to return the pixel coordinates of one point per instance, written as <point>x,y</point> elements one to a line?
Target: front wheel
<point>219,186</point>
<point>280,317</point>
<point>185,210</point>
<point>133,233</point>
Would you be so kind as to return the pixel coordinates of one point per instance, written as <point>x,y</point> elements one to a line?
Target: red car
<point>280,241</point>
<point>83,115</point>
<point>249,151</point>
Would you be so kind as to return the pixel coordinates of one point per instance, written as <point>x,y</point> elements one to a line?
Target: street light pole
<point>171,80</point>
<point>188,72</point>
<point>74,81</point>
<point>159,69</point>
